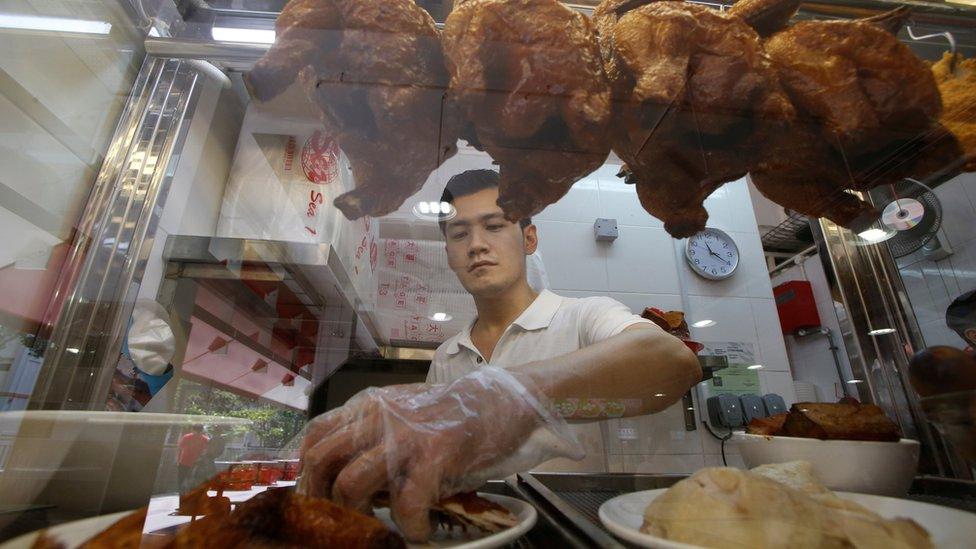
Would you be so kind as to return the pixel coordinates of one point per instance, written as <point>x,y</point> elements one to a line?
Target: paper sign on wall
<point>737,379</point>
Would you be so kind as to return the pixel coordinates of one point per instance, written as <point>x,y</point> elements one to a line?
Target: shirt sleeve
<point>602,318</point>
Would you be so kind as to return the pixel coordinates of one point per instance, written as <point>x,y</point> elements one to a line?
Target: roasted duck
<point>695,100</point>
<point>957,84</point>
<point>280,517</point>
<point>867,115</point>
<point>527,80</point>
<point>766,16</point>
<point>376,72</point>
<point>829,421</point>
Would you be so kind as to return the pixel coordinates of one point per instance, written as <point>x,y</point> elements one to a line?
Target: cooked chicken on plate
<point>779,506</point>
<point>376,73</point>
<point>527,80</point>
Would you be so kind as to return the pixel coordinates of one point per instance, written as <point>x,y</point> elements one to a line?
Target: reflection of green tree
<point>274,425</point>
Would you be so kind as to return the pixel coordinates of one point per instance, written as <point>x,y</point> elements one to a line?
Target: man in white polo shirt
<point>491,388</point>
<point>516,325</point>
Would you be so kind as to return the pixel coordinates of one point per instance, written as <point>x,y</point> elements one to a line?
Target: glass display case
<point>226,218</point>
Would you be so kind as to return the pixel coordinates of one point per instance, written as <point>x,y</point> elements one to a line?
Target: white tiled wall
<point>933,285</point>
<point>810,357</point>
<point>645,267</point>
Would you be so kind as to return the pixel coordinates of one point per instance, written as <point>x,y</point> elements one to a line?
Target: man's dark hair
<point>961,314</point>
<point>197,428</point>
<point>470,182</point>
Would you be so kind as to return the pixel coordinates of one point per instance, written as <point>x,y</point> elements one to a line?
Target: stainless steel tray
<point>572,500</point>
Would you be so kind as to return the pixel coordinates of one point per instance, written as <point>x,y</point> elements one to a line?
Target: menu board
<point>737,379</point>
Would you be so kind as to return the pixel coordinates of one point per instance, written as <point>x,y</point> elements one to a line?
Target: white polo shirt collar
<point>536,316</point>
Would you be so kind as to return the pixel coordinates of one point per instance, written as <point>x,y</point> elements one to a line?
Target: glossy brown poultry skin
<point>867,111</point>
<point>527,79</point>
<point>376,73</point>
<point>282,518</point>
<point>958,90</point>
<point>865,87</point>
<point>766,16</point>
<point>695,100</point>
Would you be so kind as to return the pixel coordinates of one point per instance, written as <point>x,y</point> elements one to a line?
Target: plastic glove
<point>423,443</point>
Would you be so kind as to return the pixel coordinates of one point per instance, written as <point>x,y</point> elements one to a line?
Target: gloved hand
<point>424,442</point>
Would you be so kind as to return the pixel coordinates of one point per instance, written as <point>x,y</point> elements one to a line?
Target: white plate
<point>949,528</point>
<point>524,512</point>
<point>73,534</point>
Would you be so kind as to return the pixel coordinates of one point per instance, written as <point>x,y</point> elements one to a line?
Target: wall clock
<point>712,254</point>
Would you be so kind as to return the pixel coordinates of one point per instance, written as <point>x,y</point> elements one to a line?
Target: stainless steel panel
<point>96,291</point>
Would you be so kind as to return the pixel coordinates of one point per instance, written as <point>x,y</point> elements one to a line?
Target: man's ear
<point>530,239</point>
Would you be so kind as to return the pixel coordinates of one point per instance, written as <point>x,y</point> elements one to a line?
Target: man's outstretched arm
<point>639,371</point>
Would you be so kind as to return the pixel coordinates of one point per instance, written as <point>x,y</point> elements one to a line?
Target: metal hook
<point>947,35</point>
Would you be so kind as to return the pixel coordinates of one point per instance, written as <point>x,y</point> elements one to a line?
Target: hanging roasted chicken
<point>696,102</point>
<point>866,114</point>
<point>376,73</point>
<point>527,80</point>
<point>957,84</point>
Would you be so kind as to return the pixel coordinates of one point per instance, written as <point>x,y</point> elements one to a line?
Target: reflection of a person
<point>206,467</point>
<point>593,355</point>
<point>189,450</point>
<point>961,317</point>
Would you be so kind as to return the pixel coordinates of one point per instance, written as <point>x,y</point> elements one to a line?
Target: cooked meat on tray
<point>376,73</point>
<point>728,507</point>
<point>527,80</point>
<point>828,421</point>
<point>280,517</point>
<point>695,100</point>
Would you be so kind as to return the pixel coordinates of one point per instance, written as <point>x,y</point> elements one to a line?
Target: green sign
<point>737,379</point>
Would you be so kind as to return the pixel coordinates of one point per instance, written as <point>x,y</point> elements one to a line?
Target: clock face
<point>712,254</point>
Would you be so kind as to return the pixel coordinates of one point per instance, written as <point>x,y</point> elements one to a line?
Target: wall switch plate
<point>752,407</point>
<point>605,229</point>
<point>724,411</point>
<point>774,404</point>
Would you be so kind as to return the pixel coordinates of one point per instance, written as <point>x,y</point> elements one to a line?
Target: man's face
<point>486,251</point>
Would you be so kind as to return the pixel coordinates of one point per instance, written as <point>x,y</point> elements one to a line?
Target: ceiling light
<point>703,323</point>
<point>855,381</point>
<point>254,36</point>
<point>53,24</point>
<point>875,235</point>
<point>659,395</point>
<point>754,367</point>
<point>73,350</point>
<point>440,317</point>
<point>434,211</point>
<point>881,332</point>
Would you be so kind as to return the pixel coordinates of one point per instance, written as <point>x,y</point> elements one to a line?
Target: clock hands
<point>716,255</point>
